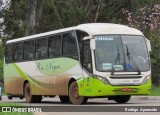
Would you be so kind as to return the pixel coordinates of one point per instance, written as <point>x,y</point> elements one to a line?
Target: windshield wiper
<point>117,58</point>
<point>118,55</point>
<point>129,55</point>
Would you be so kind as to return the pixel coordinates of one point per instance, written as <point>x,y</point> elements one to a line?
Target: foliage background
<point>20,18</point>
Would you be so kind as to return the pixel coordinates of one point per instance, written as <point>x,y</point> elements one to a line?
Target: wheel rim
<point>74,96</point>
<point>75,93</point>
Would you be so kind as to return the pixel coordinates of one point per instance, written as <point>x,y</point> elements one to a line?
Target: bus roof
<point>91,29</point>
<point>108,28</point>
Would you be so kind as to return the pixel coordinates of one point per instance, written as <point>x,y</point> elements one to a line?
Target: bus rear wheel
<point>74,97</point>
<point>122,98</point>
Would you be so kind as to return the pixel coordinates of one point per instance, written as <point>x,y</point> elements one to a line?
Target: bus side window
<point>8,53</point>
<point>87,62</point>
<point>41,48</point>
<point>18,52</point>
<point>70,45</point>
<point>29,50</point>
<point>54,46</point>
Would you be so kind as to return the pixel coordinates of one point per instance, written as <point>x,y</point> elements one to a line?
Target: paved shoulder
<point>145,97</point>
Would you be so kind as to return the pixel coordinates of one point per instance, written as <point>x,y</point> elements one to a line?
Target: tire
<point>28,94</point>
<point>64,99</point>
<point>122,98</point>
<point>21,97</point>
<point>10,97</point>
<point>74,97</point>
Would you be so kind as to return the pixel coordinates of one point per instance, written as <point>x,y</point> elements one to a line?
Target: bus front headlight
<point>146,79</point>
<point>103,79</point>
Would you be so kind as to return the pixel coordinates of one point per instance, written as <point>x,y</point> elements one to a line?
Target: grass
<point>155,91</point>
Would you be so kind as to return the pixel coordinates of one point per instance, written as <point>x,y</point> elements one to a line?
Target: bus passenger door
<point>87,69</point>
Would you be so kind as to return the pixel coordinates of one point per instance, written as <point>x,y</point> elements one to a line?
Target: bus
<point>93,60</point>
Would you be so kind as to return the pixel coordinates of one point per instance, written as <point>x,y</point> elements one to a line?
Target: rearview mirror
<point>148,44</point>
<point>92,44</point>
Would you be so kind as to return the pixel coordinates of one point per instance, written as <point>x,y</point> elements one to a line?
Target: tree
<point>33,15</point>
<point>14,17</point>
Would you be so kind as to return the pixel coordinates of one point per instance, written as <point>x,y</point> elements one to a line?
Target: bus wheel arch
<point>70,82</point>
<point>25,82</point>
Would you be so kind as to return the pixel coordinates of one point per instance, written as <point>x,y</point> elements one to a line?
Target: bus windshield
<point>121,53</point>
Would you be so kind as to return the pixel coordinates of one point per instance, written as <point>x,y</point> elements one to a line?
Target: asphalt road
<point>134,101</point>
<point>93,105</point>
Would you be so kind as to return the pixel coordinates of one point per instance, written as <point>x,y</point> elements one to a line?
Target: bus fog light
<point>105,81</point>
<point>146,79</point>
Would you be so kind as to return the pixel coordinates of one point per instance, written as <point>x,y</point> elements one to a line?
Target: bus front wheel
<point>74,97</point>
<point>122,98</point>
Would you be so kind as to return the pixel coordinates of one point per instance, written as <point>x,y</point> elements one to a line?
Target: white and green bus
<point>77,63</point>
